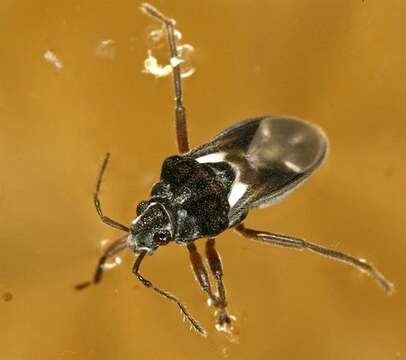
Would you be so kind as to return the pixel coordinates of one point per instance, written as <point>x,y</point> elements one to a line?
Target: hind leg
<point>299,244</point>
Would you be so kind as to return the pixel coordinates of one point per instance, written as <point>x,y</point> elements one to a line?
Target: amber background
<point>340,64</point>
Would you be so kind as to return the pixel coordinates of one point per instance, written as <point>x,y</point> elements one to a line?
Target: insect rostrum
<point>206,190</point>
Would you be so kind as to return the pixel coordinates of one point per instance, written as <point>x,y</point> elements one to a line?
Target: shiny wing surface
<point>271,156</point>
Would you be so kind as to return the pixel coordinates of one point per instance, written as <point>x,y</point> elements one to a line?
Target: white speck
<point>175,61</point>
<point>51,58</point>
<point>178,35</point>
<point>225,351</point>
<point>292,166</point>
<point>182,214</point>
<point>103,243</point>
<point>211,158</point>
<point>105,49</point>
<point>237,191</point>
<point>117,261</point>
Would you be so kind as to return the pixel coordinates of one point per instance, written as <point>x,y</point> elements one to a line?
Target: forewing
<point>271,156</point>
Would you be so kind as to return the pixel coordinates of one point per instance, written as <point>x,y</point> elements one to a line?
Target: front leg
<point>299,244</point>
<point>148,284</point>
<point>107,220</point>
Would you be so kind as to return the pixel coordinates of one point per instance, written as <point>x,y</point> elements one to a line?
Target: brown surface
<point>340,64</point>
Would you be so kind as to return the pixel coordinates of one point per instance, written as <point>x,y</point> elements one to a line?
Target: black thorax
<point>195,195</point>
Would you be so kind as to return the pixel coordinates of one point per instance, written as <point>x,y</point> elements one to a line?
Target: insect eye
<point>162,237</point>
<point>141,207</point>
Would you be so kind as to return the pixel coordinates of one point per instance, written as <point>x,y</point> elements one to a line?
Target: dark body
<point>212,187</point>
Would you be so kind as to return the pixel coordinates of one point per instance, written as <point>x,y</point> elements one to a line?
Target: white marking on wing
<point>237,191</point>
<point>211,158</point>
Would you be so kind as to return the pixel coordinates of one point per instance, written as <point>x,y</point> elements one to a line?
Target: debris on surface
<point>151,66</point>
<point>156,41</point>
<point>106,49</point>
<point>51,58</point>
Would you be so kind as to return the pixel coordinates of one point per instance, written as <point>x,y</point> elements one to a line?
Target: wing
<point>270,155</point>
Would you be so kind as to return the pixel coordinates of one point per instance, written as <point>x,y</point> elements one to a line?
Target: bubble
<point>186,54</point>
<point>156,37</point>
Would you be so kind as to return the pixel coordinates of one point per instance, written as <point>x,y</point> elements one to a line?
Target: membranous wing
<point>270,155</point>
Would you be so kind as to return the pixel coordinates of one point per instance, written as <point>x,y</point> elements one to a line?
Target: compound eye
<point>141,207</point>
<point>162,237</point>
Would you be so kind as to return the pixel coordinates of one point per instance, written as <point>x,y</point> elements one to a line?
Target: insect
<point>206,190</point>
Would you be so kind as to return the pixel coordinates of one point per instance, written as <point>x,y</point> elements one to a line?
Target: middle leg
<point>216,267</point>
<point>200,272</point>
<point>199,269</point>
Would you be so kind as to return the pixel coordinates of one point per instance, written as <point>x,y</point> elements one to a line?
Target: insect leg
<point>112,250</point>
<point>103,217</point>
<point>216,267</point>
<point>299,244</point>
<point>195,324</point>
<point>180,111</point>
<point>200,272</point>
